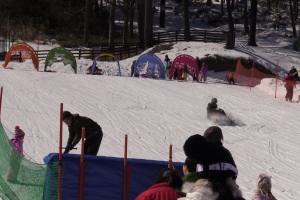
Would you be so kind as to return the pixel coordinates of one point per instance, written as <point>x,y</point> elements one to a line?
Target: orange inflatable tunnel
<point>25,50</point>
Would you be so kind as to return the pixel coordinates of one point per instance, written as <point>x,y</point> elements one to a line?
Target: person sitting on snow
<point>213,110</point>
<point>217,114</point>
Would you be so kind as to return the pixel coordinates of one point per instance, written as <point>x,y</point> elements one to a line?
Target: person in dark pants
<point>93,133</point>
<point>132,68</point>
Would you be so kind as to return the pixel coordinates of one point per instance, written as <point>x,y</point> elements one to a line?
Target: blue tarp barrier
<point>104,176</point>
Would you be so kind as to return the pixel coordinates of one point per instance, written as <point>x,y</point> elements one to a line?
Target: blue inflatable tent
<point>149,66</point>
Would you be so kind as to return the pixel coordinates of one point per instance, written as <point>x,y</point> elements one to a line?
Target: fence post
<point>60,171</point>
<point>1,100</point>
<point>204,35</point>
<point>82,167</point>
<point>176,33</point>
<point>121,53</point>
<point>170,164</point>
<point>79,54</point>
<point>125,178</point>
<point>158,38</point>
<point>276,79</point>
<point>136,50</point>
<point>20,56</point>
<point>252,71</point>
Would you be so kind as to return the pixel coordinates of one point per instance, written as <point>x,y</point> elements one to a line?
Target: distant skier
<point>290,84</point>
<point>213,112</point>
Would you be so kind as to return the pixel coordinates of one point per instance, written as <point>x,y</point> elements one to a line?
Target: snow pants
<point>92,145</point>
<point>203,77</point>
<point>289,93</point>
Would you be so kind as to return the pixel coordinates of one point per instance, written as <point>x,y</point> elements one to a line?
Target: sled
<point>222,120</point>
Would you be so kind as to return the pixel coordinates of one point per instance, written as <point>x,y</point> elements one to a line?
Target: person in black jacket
<point>216,168</point>
<point>212,108</point>
<point>93,133</point>
<point>294,72</point>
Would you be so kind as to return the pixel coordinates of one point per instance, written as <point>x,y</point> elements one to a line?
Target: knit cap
<point>18,132</point>
<point>262,179</point>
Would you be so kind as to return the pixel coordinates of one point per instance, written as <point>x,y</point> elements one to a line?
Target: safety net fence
<point>250,77</point>
<point>22,179</point>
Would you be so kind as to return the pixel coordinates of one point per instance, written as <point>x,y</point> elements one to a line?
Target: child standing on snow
<point>263,190</point>
<point>185,72</point>
<point>203,72</point>
<point>16,154</point>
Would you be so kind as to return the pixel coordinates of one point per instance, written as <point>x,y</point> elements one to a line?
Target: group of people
<point>182,73</point>
<point>209,172</point>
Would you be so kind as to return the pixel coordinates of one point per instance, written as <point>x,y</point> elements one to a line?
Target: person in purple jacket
<point>203,72</point>
<point>16,155</point>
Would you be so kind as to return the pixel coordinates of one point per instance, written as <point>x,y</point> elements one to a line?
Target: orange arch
<point>25,49</point>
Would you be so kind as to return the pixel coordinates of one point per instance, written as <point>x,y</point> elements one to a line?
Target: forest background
<point>90,23</point>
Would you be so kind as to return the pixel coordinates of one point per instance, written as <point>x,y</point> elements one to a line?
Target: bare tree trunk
<point>246,24</point>
<point>292,19</point>
<point>131,18</point>
<point>208,2</point>
<point>111,34</point>
<point>269,4</point>
<point>97,12</point>
<point>86,22</point>
<point>222,7</point>
<point>186,21</point>
<point>230,19</point>
<point>296,11</point>
<point>126,19</point>
<point>141,21</point>
<point>252,34</point>
<point>232,4</point>
<point>162,14</point>
<point>148,22</point>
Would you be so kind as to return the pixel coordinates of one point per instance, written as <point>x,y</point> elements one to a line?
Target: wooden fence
<point>123,52</point>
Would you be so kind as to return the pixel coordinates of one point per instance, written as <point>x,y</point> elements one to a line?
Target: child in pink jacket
<point>16,155</point>
<point>263,190</point>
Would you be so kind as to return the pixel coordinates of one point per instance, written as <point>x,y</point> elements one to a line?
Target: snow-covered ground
<point>157,113</point>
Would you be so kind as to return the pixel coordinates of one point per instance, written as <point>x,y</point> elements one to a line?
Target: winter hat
<point>262,179</point>
<point>213,134</point>
<point>214,100</point>
<point>66,114</point>
<point>18,132</point>
<point>195,147</point>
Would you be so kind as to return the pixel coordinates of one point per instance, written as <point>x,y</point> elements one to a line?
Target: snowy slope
<point>154,114</point>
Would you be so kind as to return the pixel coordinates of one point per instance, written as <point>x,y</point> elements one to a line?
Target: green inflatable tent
<point>60,54</point>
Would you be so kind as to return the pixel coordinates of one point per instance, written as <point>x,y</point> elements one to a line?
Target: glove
<point>66,151</point>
